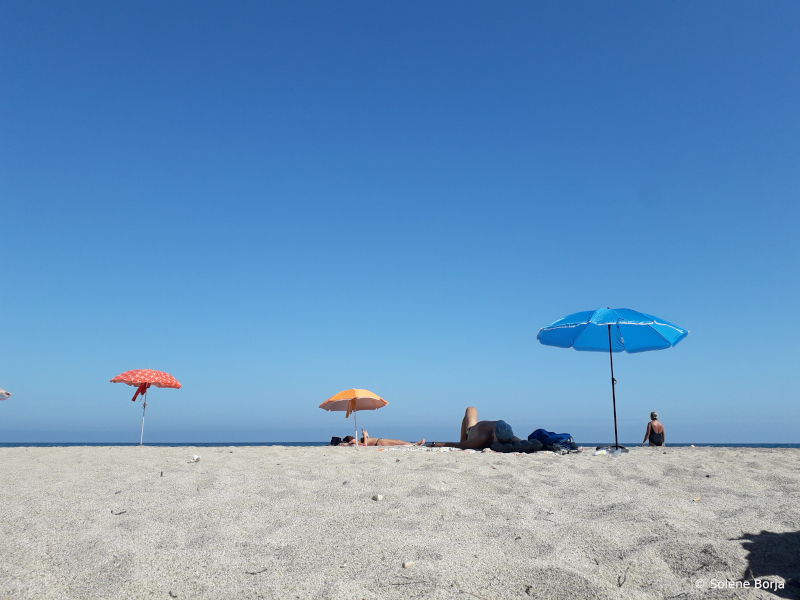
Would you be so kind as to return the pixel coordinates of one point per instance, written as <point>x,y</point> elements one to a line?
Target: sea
<point>226,445</point>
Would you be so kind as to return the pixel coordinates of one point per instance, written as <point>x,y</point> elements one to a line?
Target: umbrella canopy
<point>4,394</point>
<point>143,379</point>
<point>352,401</point>
<point>611,330</point>
<point>631,331</point>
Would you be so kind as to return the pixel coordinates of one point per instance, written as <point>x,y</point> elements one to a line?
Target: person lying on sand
<point>371,441</point>
<point>476,435</point>
<point>654,432</point>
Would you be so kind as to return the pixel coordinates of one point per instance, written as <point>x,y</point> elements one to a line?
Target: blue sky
<point>275,202</point>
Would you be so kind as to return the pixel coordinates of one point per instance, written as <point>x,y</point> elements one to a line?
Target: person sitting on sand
<point>371,441</point>
<point>654,432</point>
<point>476,435</point>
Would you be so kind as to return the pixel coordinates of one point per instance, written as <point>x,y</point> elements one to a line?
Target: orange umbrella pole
<point>144,406</point>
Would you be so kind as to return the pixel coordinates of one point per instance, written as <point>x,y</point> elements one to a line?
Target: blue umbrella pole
<point>613,394</point>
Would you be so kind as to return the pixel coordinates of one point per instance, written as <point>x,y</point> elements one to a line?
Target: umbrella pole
<point>613,394</point>
<point>144,406</point>
<point>355,428</point>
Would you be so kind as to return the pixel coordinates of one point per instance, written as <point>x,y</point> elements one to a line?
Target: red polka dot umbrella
<point>143,379</point>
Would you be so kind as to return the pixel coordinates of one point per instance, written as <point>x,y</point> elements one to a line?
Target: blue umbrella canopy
<point>631,331</point>
<point>611,330</point>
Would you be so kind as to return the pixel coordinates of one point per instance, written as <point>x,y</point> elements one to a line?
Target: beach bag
<point>335,441</point>
<point>554,441</point>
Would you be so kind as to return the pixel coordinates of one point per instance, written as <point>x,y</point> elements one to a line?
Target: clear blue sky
<point>277,201</point>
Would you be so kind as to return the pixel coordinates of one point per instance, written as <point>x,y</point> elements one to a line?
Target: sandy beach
<point>289,522</point>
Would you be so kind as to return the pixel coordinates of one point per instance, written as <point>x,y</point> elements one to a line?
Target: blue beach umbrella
<point>611,330</point>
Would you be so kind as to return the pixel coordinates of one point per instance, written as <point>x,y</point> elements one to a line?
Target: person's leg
<point>470,418</point>
<point>480,435</point>
<point>385,442</point>
<point>477,440</point>
<point>368,441</point>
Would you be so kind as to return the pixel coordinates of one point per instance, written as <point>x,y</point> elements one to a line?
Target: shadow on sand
<point>771,554</point>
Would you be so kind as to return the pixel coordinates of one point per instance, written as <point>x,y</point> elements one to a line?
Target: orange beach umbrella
<point>142,379</point>
<point>352,401</point>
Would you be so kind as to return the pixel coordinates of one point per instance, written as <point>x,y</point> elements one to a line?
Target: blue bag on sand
<point>550,440</point>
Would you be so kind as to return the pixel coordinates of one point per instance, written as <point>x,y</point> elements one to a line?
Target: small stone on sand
<point>377,497</point>
<point>408,563</point>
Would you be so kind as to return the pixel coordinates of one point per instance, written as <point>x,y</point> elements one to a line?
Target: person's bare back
<point>654,434</point>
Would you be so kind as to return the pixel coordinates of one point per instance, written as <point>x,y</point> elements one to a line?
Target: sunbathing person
<point>371,441</point>
<point>654,432</point>
<point>476,435</point>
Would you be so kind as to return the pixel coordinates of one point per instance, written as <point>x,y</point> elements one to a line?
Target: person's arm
<point>646,433</point>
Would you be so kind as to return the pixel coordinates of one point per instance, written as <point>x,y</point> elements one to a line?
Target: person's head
<point>347,439</point>
<point>654,416</point>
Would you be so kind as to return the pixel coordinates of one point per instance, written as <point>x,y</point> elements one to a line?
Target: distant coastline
<point>245,444</point>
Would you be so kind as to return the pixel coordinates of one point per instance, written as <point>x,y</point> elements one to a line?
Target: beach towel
<point>526,446</point>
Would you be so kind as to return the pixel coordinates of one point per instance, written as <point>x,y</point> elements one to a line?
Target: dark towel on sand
<point>521,446</point>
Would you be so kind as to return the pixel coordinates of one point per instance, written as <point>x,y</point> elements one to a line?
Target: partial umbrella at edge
<point>4,395</point>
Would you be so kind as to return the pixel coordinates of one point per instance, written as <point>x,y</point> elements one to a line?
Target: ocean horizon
<point>246,444</point>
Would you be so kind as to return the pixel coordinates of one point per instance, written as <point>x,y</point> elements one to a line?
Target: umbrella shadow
<point>771,554</point>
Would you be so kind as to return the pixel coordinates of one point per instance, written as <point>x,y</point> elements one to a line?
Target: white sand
<point>276,522</point>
